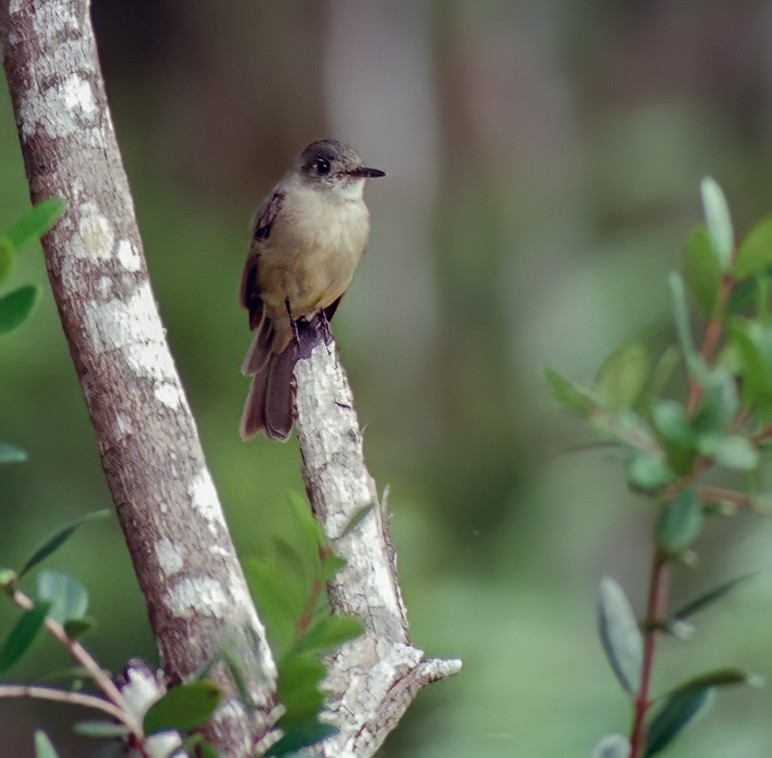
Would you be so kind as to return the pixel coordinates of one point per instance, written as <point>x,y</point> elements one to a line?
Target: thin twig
<point>119,703</point>
<point>62,696</point>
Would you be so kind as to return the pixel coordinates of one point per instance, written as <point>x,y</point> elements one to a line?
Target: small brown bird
<point>309,236</point>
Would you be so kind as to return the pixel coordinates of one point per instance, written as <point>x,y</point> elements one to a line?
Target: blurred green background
<point>544,161</point>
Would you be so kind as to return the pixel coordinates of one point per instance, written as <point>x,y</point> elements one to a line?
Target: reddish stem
<point>654,610</point>
<point>710,341</point>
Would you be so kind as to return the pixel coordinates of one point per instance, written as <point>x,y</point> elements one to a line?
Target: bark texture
<point>373,679</point>
<point>196,594</point>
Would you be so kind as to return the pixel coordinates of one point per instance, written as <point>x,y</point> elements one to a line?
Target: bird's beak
<point>366,173</point>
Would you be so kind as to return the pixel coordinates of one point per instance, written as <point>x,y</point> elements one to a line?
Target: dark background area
<point>544,160</point>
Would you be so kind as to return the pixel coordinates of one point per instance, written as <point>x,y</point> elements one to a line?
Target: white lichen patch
<point>205,500</point>
<point>134,328</point>
<point>105,286</point>
<point>95,236</point>
<point>128,257</point>
<point>123,426</point>
<point>169,558</point>
<point>168,394</point>
<point>78,94</point>
<point>61,110</point>
<point>196,595</point>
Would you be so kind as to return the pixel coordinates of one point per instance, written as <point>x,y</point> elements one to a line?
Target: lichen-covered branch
<point>373,679</point>
<point>168,508</point>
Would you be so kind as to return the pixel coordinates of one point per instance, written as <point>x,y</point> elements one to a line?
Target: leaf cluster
<point>17,305</point>
<point>721,421</point>
<point>289,588</point>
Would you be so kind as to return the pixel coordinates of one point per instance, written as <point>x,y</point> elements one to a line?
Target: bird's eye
<point>323,166</point>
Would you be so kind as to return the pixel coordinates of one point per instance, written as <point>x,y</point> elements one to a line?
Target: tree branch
<point>196,594</point>
<point>374,678</point>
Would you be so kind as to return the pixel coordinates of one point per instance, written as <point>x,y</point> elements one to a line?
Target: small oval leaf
<point>67,596</point>
<point>679,709</point>
<point>679,523</point>
<point>58,538</point>
<point>755,253</point>
<point>568,396</point>
<point>184,707</point>
<point>619,634</point>
<point>36,222</point>
<point>650,472</point>
<point>302,736</point>
<point>11,453</point>
<point>100,729</point>
<point>710,597</point>
<point>730,450</point>
<point>718,220</point>
<point>43,746</point>
<point>15,308</point>
<point>703,270</point>
<point>623,376</point>
<point>23,635</point>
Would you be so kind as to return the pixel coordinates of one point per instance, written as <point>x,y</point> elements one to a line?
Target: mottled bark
<point>373,679</point>
<point>167,505</point>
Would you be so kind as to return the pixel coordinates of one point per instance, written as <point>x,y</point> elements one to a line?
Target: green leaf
<point>100,729</point>
<point>7,259</point>
<point>718,221</point>
<point>675,431</point>
<point>726,677</point>
<point>265,581</point>
<point>663,370</point>
<point>619,634</point>
<point>679,709</point>
<point>76,628</point>
<point>311,530</point>
<point>755,253</point>
<point>15,308</point>
<point>358,517</point>
<point>23,635</point>
<point>703,270</point>
<point>682,323</point>
<point>36,222</point>
<point>622,377</point>
<point>719,402</point>
<point>304,736</point>
<point>328,633</point>
<point>11,454</point>
<point>679,523</point>
<point>184,707</point>
<point>67,596</point>
<point>711,596</point>
<point>650,472</point>
<point>729,450</point>
<point>43,746</point>
<point>58,538</point>
<point>298,685</point>
<point>612,746</point>
<point>756,386</point>
<point>567,396</point>
<point>331,565</point>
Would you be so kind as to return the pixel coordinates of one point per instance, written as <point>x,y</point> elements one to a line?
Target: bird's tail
<point>269,403</point>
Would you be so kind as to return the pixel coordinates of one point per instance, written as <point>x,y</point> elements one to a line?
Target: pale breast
<point>312,252</point>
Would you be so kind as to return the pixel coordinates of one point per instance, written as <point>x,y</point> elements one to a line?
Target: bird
<point>308,237</point>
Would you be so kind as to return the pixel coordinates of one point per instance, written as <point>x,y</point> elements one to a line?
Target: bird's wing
<point>250,289</point>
